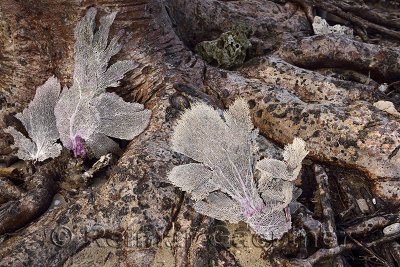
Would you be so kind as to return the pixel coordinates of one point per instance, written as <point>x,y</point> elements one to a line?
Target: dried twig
<point>372,253</point>
<point>103,162</point>
<point>372,224</point>
<point>373,15</point>
<point>42,187</point>
<point>322,254</point>
<point>394,249</point>
<point>353,206</point>
<point>362,17</point>
<point>328,225</point>
<point>8,190</point>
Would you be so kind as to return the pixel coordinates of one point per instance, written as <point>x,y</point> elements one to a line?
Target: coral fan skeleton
<point>84,113</point>
<point>222,183</point>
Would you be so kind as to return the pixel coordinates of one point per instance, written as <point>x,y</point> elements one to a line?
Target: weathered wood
<point>323,253</point>
<point>332,50</point>
<point>329,226</point>
<point>8,191</point>
<point>371,224</point>
<point>335,117</point>
<point>42,187</point>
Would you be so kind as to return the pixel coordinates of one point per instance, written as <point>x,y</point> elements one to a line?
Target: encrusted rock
<point>229,50</point>
<point>320,26</point>
<point>391,229</point>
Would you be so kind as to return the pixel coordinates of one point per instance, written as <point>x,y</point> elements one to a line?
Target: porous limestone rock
<point>229,50</point>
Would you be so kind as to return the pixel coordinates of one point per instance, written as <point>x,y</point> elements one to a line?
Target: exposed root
<point>8,191</point>
<point>10,172</point>
<point>42,186</point>
<point>371,224</point>
<point>323,254</point>
<point>352,202</point>
<point>394,249</point>
<point>330,51</point>
<point>360,15</point>
<point>328,225</point>
<point>191,239</point>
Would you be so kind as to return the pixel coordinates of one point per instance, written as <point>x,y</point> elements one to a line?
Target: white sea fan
<point>85,112</point>
<point>40,123</point>
<point>222,183</point>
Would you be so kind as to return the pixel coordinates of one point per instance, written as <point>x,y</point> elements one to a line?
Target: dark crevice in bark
<point>42,186</point>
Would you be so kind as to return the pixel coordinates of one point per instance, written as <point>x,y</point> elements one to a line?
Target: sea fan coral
<point>222,182</point>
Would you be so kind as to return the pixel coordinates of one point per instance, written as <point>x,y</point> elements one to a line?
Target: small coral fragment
<point>320,26</point>
<point>229,50</point>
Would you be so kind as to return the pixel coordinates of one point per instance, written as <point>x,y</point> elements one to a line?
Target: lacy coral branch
<point>223,182</point>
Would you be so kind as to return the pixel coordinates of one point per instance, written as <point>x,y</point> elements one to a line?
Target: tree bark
<point>287,95</point>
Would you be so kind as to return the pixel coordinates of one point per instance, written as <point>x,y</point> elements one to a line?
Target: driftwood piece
<point>320,51</point>
<point>328,226</point>
<point>372,224</point>
<point>360,15</point>
<point>136,199</point>
<point>308,85</point>
<point>394,249</point>
<point>352,202</point>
